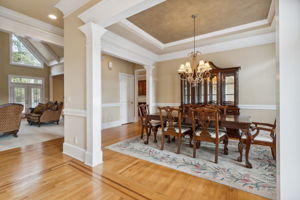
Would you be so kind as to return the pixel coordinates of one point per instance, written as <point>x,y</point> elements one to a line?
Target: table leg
<point>248,146</point>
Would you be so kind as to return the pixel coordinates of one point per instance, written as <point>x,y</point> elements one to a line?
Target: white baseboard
<point>111,124</point>
<point>74,151</point>
<point>90,161</point>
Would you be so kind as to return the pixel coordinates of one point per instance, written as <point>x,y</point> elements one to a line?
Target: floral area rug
<point>260,180</point>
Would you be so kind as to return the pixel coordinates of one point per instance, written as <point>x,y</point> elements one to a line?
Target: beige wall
<point>111,85</point>
<point>6,68</point>
<point>58,88</point>
<point>256,78</point>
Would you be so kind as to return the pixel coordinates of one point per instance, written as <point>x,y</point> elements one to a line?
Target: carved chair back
<point>168,116</point>
<point>203,117</point>
<point>144,112</point>
<point>222,109</point>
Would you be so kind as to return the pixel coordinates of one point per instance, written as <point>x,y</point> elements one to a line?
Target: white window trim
<point>23,65</point>
<point>20,76</point>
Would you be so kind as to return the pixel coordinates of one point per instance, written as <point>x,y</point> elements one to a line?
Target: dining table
<point>240,122</point>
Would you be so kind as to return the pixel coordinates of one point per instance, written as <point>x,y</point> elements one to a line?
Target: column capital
<point>92,30</point>
<point>149,67</point>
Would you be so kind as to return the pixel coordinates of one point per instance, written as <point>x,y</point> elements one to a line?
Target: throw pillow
<point>40,108</point>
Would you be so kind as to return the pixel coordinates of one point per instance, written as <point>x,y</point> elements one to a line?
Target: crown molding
<point>146,36</point>
<point>223,32</point>
<point>67,7</point>
<point>108,12</point>
<point>118,46</point>
<point>257,40</point>
<point>25,26</point>
<point>24,19</point>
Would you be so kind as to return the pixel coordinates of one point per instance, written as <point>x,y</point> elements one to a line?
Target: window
<point>229,90</point>
<point>20,55</point>
<point>28,91</point>
<point>16,79</point>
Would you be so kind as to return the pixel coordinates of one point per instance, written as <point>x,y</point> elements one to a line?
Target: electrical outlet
<point>75,140</point>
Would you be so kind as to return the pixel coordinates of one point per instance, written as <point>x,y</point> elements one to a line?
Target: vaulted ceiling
<point>171,20</point>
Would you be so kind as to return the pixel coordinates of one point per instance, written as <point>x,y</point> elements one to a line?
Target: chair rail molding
<point>241,106</point>
<point>107,105</point>
<point>25,26</point>
<point>74,112</point>
<point>257,107</point>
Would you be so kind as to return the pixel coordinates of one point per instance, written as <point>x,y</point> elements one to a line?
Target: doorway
<point>126,98</point>
<point>28,91</point>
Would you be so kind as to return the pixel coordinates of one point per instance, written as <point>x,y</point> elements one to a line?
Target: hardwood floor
<point>41,171</point>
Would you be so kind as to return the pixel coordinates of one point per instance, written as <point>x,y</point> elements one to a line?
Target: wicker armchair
<point>51,112</point>
<point>10,118</point>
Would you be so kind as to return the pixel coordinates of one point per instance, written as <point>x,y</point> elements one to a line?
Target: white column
<point>288,132</point>
<point>93,33</point>
<point>150,91</point>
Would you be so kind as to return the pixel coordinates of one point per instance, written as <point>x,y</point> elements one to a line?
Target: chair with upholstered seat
<point>261,134</point>
<point>172,127</point>
<point>10,118</point>
<point>222,111</point>
<point>148,125</point>
<point>203,118</point>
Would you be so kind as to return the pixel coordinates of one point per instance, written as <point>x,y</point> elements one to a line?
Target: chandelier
<point>195,70</point>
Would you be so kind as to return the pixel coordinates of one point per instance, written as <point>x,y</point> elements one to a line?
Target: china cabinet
<point>221,88</point>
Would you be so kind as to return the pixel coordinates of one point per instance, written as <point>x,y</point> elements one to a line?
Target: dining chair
<point>222,109</point>
<point>148,125</point>
<point>170,126</point>
<point>261,134</point>
<point>203,118</point>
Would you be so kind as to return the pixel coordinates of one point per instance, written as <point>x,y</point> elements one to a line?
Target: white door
<point>26,91</point>
<point>18,95</point>
<point>126,98</point>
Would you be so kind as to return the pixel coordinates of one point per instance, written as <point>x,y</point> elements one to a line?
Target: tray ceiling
<point>171,21</point>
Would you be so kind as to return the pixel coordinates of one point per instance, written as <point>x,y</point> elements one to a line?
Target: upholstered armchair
<point>262,134</point>
<point>45,113</point>
<point>10,118</point>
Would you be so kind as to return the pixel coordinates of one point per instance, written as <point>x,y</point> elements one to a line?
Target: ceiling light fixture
<point>51,16</point>
<point>197,70</point>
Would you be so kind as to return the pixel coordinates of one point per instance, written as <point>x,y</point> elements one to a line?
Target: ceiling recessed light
<point>51,16</point>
